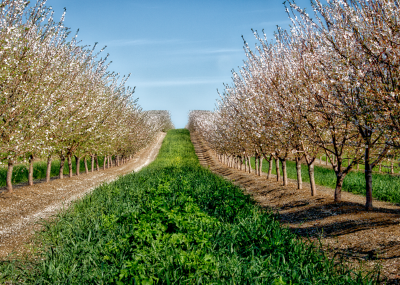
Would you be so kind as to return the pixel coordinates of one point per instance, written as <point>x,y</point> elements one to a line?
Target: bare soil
<point>345,229</point>
<point>22,210</point>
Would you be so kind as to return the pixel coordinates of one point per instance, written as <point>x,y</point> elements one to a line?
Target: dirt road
<point>21,210</point>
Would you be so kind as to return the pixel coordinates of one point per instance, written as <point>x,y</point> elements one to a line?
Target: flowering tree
<point>347,31</point>
<point>329,84</point>
<point>58,97</point>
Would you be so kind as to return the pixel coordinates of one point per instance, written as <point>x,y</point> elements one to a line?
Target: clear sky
<point>178,52</point>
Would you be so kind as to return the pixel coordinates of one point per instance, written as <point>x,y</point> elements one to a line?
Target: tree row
<point>329,84</point>
<point>58,98</point>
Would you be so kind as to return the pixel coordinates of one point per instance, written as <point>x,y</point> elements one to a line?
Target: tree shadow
<point>329,209</point>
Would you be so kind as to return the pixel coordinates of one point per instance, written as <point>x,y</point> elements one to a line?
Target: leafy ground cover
<point>174,222</point>
<point>386,187</point>
<point>386,165</point>
<point>20,172</point>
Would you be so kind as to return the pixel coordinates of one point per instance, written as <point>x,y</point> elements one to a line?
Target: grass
<point>174,222</point>
<point>385,187</point>
<point>20,171</point>
<point>386,165</point>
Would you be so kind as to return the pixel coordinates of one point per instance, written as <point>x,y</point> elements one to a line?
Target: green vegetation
<point>385,187</point>
<point>386,165</point>
<point>174,222</point>
<point>20,173</point>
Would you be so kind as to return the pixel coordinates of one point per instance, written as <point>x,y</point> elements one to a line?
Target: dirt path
<point>21,210</point>
<point>345,229</point>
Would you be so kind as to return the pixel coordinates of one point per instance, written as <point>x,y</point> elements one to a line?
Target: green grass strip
<point>174,222</point>
<point>385,187</point>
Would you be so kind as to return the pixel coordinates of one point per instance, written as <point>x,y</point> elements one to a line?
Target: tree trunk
<point>312,179</point>
<point>78,165</point>
<point>326,160</point>
<point>298,169</point>
<point>86,165</point>
<point>69,157</point>
<point>249,163</point>
<point>284,172</point>
<point>104,162</point>
<point>278,173</point>
<point>338,188</point>
<point>108,161</point>
<point>92,161</point>
<point>391,167</point>
<point>62,162</point>
<point>48,170</point>
<point>9,176</point>
<point>260,159</point>
<point>368,180</point>
<point>256,165</point>
<point>30,172</point>
<point>97,163</point>
<point>270,167</point>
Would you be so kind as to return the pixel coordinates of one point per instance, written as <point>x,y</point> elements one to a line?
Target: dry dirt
<point>21,211</point>
<point>344,229</point>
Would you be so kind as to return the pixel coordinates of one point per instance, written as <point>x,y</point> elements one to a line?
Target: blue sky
<point>178,52</point>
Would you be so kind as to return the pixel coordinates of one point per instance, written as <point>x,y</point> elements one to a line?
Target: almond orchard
<point>59,100</point>
<point>327,86</point>
<point>320,99</point>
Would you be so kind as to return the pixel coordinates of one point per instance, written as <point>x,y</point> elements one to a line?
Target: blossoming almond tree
<point>328,84</point>
<point>57,96</point>
<point>357,76</point>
